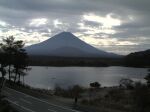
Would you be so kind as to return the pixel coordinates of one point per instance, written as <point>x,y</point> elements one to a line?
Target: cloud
<point>38,22</point>
<point>57,23</point>
<point>3,24</point>
<point>107,41</point>
<point>107,22</point>
<point>96,30</point>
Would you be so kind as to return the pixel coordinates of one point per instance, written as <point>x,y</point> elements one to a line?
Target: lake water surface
<point>49,77</point>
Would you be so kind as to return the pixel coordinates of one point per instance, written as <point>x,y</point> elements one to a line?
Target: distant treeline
<point>70,61</point>
<point>138,59</point>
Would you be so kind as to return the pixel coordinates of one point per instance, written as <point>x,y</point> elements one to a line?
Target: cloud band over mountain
<point>120,26</point>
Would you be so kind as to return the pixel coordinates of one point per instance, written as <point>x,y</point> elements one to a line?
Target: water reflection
<point>49,77</point>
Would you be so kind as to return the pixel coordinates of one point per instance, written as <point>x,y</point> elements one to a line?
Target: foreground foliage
<point>13,59</point>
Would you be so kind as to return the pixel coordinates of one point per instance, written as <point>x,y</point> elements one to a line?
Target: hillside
<point>138,59</point>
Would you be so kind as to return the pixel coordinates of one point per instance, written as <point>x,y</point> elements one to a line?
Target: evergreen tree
<point>20,63</point>
<point>8,47</point>
<point>13,55</point>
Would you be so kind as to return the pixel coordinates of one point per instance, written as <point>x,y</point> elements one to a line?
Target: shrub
<point>141,97</point>
<point>126,83</point>
<point>95,85</point>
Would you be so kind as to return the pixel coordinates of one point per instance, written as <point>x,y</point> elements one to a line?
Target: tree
<point>13,55</point>
<point>3,63</point>
<point>147,78</point>
<point>95,85</point>
<point>9,46</point>
<point>126,83</point>
<point>20,63</point>
<point>3,72</point>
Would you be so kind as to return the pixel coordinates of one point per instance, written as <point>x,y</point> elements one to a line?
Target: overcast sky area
<point>119,26</point>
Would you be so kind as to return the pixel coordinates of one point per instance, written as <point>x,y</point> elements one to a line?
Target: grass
<point>36,92</point>
<point>109,99</point>
<point>119,100</point>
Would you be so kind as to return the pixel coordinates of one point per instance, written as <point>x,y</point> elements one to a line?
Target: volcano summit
<point>65,44</point>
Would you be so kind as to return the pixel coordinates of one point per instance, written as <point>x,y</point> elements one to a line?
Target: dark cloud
<point>134,16</point>
<point>92,24</point>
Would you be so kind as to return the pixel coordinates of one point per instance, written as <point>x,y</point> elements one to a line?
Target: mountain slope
<point>66,44</point>
<point>138,59</point>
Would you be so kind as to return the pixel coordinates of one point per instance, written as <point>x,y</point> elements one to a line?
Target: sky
<point>119,26</point>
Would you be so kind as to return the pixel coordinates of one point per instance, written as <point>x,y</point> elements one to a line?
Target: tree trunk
<point>23,79</point>
<point>9,72</point>
<point>3,72</point>
<point>16,73</point>
<point>19,78</point>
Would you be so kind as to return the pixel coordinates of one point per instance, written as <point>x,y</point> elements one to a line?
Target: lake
<point>49,77</point>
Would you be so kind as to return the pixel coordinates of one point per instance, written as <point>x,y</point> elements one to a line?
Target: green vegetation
<point>13,60</point>
<point>129,96</point>
<point>68,61</point>
<point>13,57</point>
<point>138,59</point>
<point>70,92</point>
<point>126,83</point>
<point>95,85</point>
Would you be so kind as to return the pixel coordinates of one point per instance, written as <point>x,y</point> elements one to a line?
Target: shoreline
<point>116,99</point>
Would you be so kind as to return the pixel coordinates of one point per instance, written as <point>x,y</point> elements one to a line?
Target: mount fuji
<point>65,44</point>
